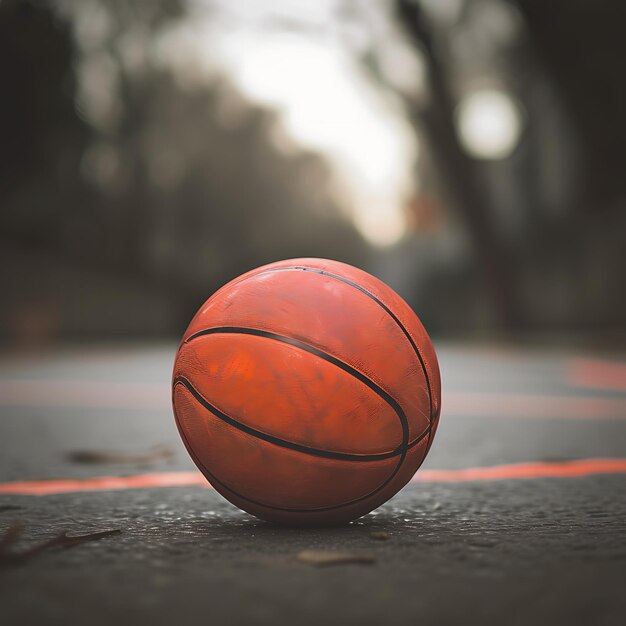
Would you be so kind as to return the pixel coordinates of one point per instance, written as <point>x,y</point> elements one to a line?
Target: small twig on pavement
<point>63,540</point>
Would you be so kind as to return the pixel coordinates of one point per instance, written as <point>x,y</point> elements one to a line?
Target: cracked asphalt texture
<point>540,551</point>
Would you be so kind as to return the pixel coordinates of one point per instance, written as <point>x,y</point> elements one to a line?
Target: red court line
<point>103,483</point>
<point>567,469</point>
<point>595,374</point>
<point>500,404</point>
<point>149,396</point>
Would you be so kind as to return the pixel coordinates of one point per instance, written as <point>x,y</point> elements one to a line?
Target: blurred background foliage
<point>468,152</point>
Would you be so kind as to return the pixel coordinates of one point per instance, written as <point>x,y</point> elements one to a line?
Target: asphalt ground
<point>518,515</point>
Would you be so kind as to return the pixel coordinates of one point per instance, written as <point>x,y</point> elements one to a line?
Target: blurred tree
<point>117,163</point>
<point>41,134</point>
<point>582,47</point>
<point>543,219</point>
<point>435,117</point>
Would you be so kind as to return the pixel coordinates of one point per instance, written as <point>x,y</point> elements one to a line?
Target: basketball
<point>307,392</point>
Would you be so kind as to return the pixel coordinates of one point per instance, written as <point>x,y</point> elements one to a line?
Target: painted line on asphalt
<point>562,469</point>
<point>597,374</point>
<point>565,469</point>
<point>85,395</point>
<point>521,405</point>
<point>156,397</point>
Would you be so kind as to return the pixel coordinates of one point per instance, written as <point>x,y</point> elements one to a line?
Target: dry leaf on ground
<point>14,557</point>
<point>321,558</point>
<point>381,535</point>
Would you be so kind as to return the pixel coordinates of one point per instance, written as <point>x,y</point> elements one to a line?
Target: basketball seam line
<point>334,507</point>
<point>370,295</point>
<point>283,443</point>
<point>296,343</point>
<point>346,367</point>
<point>427,432</point>
<point>394,317</point>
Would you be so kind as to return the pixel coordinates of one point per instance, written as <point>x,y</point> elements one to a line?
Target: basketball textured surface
<point>307,392</point>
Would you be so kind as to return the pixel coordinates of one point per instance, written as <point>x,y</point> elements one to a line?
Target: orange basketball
<point>307,392</point>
